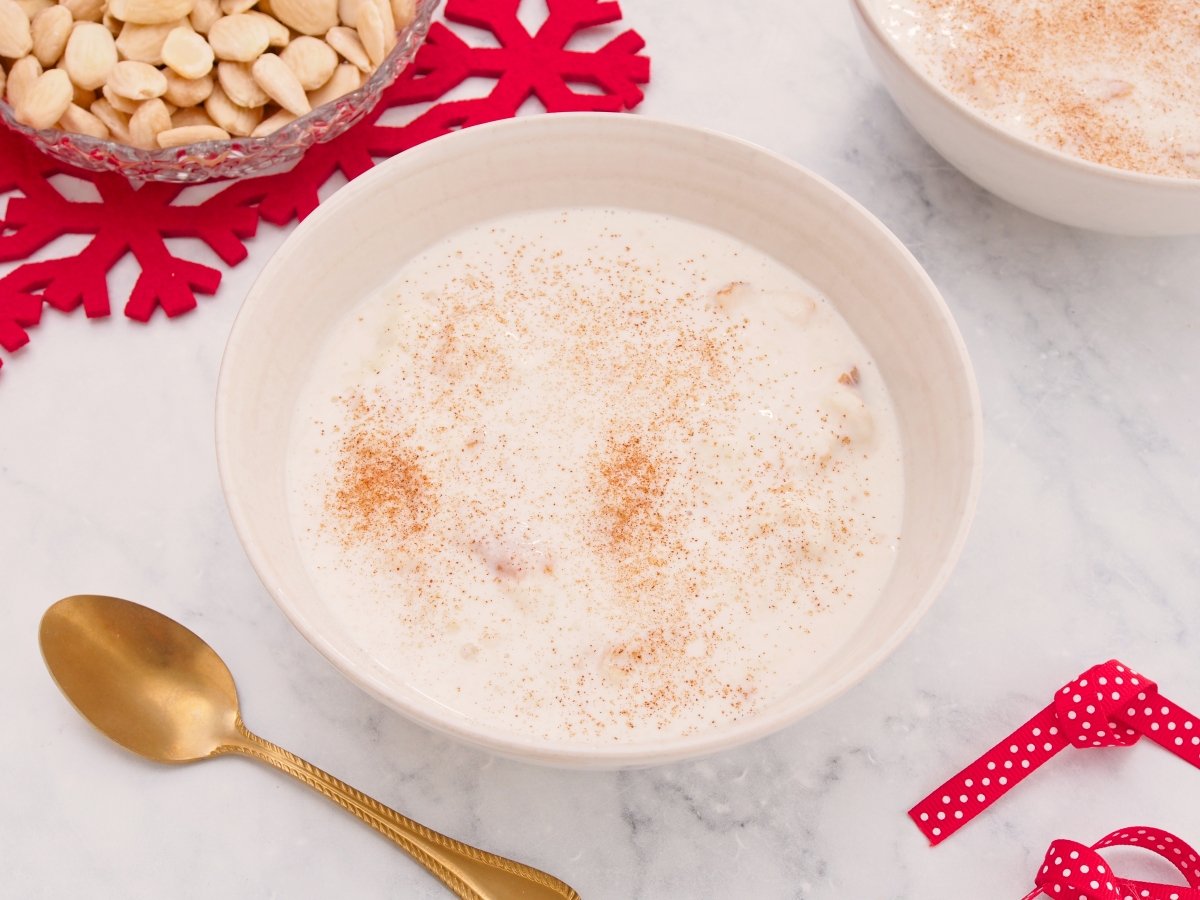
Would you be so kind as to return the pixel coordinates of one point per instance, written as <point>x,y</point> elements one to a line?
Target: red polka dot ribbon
<point>1109,705</point>
<point>1075,872</point>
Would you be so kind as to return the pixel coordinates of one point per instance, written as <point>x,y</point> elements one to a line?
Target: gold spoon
<point>157,689</point>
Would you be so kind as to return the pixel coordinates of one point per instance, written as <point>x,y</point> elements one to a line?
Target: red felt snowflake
<point>128,221</point>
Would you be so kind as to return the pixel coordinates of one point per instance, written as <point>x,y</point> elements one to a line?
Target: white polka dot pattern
<point>1109,705</point>
<point>1074,872</point>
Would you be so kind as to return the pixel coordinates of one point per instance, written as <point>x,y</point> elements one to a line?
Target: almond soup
<point>597,475</point>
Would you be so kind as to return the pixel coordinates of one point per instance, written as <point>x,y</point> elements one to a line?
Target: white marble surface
<point>1087,545</point>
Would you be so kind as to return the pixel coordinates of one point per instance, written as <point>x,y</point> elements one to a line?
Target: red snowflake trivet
<point>138,222</point>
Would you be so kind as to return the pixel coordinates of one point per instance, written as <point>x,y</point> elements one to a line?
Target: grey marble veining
<point>1086,545</point>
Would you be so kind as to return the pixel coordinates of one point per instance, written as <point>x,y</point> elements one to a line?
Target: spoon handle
<point>471,873</point>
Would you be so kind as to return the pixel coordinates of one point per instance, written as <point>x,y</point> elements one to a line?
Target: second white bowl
<point>1036,178</point>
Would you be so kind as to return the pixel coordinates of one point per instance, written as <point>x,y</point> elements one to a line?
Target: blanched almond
<point>346,42</point>
<point>148,122</point>
<point>91,55</point>
<point>389,23</point>
<point>32,7</point>
<point>46,100</point>
<point>136,80</point>
<point>78,120</point>
<point>112,23</point>
<point>204,14</point>
<point>404,11</point>
<point>229,7</point>
<point>150,12</point>
<point>273,123</point>
<point>311,59</point>
<point>16,40</point>
<point>50,29</point>
<point>85,10</point>
<point>237,120</point>
<point>239,85</point>
<point>144,43</point>
<point>280,83</point>
<point>278,34</point>
<point>370,32</point>
<point>119,103</point>
<point>348,12</point>
<point>187,53</point>
<point>21,76</point>
<point>193,115</point>
<point>115,121</point>
<point>240,38</point>
<point>306,16</point>
<point>190,134</point>
<point>187,91</point>
<point>345,78</point>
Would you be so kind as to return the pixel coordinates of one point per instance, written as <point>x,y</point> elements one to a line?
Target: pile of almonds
<point>164,73</point>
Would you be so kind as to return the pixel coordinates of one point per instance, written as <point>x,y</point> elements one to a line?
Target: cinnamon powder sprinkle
<point>381,487</point>
<point>1110,82</point>
<point>631,482</point>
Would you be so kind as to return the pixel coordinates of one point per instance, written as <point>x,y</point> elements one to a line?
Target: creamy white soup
<point>596,475</point>
<point>1110,82</point>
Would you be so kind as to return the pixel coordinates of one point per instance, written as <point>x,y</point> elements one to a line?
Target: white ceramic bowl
<point>1039,179</point>
<point>357,240</point>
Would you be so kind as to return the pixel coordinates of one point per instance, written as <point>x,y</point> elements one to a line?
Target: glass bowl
<point>240,157</point>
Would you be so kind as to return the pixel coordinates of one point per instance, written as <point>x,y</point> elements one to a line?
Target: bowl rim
<point>870,21</point>
<point>528,748</point>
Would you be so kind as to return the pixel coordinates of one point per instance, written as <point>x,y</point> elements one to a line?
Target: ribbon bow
<point>1075,872</point>
<point>1109,705</point>
<point>1090,708</point>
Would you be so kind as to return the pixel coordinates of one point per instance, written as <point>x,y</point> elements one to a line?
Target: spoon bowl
<point>156,688</point>
<point>145,681</point>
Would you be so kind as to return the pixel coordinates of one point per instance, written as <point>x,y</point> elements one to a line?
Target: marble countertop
<point>1086,546</point>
